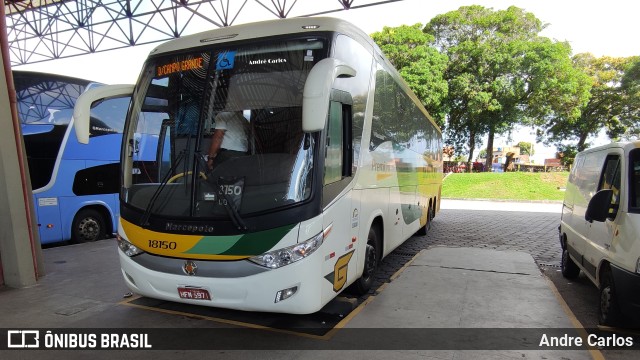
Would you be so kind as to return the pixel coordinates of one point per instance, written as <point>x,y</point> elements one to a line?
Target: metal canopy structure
<point>53,29</point>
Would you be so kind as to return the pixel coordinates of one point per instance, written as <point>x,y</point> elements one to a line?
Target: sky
<point>602,28</point>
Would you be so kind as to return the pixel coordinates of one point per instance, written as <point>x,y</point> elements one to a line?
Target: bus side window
<point>107,116</point>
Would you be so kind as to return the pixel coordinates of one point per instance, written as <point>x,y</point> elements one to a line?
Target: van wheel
<point>609,313</point>
<point>569,269</point>
<point>371,259</point>
<point>87,226</point>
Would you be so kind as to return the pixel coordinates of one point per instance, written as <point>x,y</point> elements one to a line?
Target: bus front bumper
<point>257,292</point>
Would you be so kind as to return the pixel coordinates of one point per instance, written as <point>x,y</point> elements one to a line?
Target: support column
<point>19,245</point>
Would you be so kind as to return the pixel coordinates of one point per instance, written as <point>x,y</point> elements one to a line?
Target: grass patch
<point>505,186</point>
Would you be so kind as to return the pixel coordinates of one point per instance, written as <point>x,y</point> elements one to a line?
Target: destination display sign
<point>182,65</point>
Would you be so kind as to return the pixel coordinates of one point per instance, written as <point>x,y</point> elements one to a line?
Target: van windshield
<point>252,92</point>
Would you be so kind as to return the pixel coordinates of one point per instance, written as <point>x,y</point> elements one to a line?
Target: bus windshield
<point>181,101</point>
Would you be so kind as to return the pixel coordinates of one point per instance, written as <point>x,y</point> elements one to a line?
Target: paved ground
<point>528,227</point>
<point>471,225</point>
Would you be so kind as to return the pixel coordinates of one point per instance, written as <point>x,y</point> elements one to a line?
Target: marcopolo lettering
<point>197,228</point>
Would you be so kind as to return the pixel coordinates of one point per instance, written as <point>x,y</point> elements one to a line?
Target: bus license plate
<point>193,293</point>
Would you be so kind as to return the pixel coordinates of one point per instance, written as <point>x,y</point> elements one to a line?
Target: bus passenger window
<point>107,117</point>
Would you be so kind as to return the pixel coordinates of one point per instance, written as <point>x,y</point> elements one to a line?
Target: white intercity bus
<point>342,164</point>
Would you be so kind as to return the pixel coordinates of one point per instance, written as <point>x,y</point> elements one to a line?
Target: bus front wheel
<point>371,260</point>
<point>88,225</point>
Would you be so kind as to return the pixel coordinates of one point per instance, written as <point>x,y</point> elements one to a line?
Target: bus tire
<point>569,269</point>
<point>371,260</point>
<point>609,312</point>
<point>425,229</point>
<point>88,225</point>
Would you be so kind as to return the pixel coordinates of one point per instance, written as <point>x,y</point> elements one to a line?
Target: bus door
<point>341,203</point>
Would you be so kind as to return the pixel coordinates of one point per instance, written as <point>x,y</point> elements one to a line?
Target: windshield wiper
<point>144,221</point>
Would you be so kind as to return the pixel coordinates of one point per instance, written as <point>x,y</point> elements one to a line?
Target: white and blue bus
<point>75,188</point>
<point>343,164</point>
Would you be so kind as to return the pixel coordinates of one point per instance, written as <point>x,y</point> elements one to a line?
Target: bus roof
<point>300,25</point>
<point>51,77</point>
<point>264,29</point>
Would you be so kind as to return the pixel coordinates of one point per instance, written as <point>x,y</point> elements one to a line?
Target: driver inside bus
<point>229,138</point>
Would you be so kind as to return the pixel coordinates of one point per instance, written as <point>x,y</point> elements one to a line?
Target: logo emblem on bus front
<point>189,267</point>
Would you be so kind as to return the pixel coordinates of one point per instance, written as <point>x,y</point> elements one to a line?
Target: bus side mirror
<point>599,206</point>
<point>317,91</point>
<point>82,108</point>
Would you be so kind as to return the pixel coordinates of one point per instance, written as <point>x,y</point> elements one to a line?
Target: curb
<point>507,200</point>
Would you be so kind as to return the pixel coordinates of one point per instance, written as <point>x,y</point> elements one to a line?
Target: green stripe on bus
<point>243,245</point>
<point>259,242</point>
<point>214,245</point>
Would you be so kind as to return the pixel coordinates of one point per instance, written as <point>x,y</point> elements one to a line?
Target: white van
<point>600,227</point>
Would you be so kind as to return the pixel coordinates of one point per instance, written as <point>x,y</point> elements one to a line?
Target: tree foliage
<point>631,88</point>
<point>481,72</point>
<point>500,72</point>
<point>526,148</point>
<point>631,78</point>
<point>610,105</point>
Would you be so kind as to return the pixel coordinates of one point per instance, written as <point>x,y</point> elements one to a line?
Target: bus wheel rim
<point>88,228</point>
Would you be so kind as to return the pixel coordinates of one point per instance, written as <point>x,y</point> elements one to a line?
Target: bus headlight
<point>289,255</point>
<point>128,248</point>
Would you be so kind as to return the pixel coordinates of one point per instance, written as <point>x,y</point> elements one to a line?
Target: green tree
<point>420,65</point>
<point>526,148</point>
<point>610,106</point>
<point>631,78</point>
<point>500,73</point>
<point>566,154</point>
<point>631,87</point>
